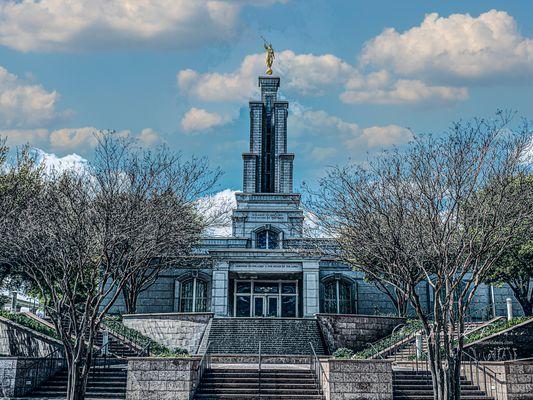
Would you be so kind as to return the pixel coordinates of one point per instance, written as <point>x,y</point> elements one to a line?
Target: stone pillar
<point>419,345</point>
<point>509,302</point>
<point>219,294</point>
<point>311,291</point>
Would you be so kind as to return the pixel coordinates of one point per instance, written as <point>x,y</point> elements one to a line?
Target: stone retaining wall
<point>507,380</point>
<point>355,331</point>
<point>161,378</point>
<point>173,330</point>
<point>19,375</point>
<point>17,340</point>
<point>358,379</point>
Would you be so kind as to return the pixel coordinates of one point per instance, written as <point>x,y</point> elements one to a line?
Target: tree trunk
<point>402,302</point>
<point>130,299</point>
<point>525,302</point>
<point>77,382</point>
<point>527,306</point>
<point>445,367</point>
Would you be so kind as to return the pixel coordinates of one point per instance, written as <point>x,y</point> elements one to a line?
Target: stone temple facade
<point>267,268</point>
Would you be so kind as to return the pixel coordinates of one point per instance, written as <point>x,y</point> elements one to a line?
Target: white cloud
<point>303,73</point>
<point>53,163</point>
<point>385,136</point>
<point>458,46</point>
<point>216,210</point>
<point>71,139</point>
<point>198,119</point>
<point>23,104</point>
<point>405,91</point>
<point>20,137</point>
<point>323,153</point>
<point>433,63</point>
<point>150,138</point>
<point>309,73</point>
<point>78,25</point>
<point>304,121</point>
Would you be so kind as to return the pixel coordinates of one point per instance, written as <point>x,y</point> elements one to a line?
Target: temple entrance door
<point>266,306</point>
<point>259,306</point>
<point>272,306</point>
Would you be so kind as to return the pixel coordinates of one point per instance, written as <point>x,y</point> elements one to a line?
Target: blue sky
<point>357,73</point>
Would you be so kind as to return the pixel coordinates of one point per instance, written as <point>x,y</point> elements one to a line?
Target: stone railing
<point>173,330</point>
<point>18,340</point>
<point>355,331</point>
<point>161,378</point>
<point>357,379</point>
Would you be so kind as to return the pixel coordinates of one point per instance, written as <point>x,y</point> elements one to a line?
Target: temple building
<point>267,267</point>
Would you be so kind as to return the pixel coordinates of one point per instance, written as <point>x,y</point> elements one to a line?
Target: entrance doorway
<point>266,298</point>
<point>266,306</point>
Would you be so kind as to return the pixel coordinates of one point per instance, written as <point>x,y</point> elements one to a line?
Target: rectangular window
<point>243,306</point>
<point>288,288</point>
<point>288,306</point>
<point>266,287</point>
<point>244,287</point>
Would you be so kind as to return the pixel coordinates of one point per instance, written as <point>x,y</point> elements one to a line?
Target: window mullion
<point>194,295</point>
<point>338,297</point>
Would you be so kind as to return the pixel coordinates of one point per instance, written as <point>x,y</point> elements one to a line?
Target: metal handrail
<point>316,367</point>
<point>135,347</point>
<point>146,350</point>
<point>46,364</point>
<point>259,364</point>
<point>490,378</point>
<point>203,365</point>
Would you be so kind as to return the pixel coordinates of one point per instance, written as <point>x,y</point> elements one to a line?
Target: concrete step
<point>248,384</point>
<point>263,397</point>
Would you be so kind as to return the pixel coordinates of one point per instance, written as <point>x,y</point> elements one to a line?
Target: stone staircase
<point>408,350</point>
<point>116,346</point>
<point>287,336</point>
<point>107,382</point>
<point>276,384</point>
<point>412,385</point>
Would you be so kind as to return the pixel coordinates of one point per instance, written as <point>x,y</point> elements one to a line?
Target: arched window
<point>337,297</point>
<point>266,239</point>
<point>193,296</point>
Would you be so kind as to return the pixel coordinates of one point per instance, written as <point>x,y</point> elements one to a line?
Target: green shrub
<point>343,353</point>
<point>30,323</point>
<point>495,327</point>
<point>114,324</point>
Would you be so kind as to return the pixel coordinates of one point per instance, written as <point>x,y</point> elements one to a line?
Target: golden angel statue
<point>269,60</point>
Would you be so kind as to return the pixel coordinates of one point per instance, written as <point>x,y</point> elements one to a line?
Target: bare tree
<point>86,234</point>
<point>20,179</point>
<point>154,195</point>
<point>434,211</point>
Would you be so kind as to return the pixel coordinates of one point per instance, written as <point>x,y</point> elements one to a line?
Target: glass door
<point>266,306</point>
<point>259,306</point>
<point>272,306</point>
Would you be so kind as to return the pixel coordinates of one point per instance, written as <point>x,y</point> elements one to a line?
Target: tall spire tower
<point>268,168</point>
<point>268,202</point>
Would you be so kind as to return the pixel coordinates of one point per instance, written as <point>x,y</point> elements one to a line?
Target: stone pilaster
<point>249,172</point>
<point>311,290</point>
<point>219,296</point>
